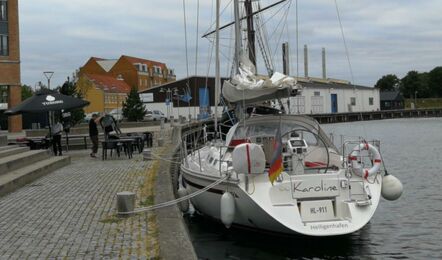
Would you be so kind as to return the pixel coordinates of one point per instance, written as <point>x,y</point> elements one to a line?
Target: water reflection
<point>213,241</point>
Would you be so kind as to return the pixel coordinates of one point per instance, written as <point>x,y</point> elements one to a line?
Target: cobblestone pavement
<point>70,213</point>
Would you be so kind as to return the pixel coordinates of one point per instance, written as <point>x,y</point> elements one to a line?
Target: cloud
<point>383,36</point>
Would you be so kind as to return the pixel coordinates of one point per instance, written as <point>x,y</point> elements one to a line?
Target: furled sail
<point>247,86</point>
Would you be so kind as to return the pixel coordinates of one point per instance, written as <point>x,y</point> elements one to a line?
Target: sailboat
<point>278,172</point>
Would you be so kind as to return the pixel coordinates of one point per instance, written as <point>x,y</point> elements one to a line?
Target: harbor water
<point>410,227</point>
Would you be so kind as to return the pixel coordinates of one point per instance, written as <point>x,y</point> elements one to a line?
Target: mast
<point>250,31</point>
<point>237,34</point>
<point>217,65</point>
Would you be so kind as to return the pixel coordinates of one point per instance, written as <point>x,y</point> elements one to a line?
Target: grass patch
<point>148,201</point>
<point>112,219</point>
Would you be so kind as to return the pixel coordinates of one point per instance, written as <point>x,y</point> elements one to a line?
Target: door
<point>334,103</point>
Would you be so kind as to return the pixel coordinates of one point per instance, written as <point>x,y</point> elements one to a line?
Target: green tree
<point>435,82</point>
<point>26,92</point>
<point>133,108</point>
<point>388,83</point>
<point>415,83</point>
<point>69,88</point>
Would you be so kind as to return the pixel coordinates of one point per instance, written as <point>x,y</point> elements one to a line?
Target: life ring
<point>356,165</point>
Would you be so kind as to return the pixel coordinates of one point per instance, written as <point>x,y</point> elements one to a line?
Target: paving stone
<point>70,213</point>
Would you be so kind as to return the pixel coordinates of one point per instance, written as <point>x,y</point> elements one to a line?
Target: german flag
<point>276,166</point>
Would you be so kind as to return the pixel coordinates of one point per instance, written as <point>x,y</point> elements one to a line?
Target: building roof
<point>310,83</point>
<point>390,95</point>
<point>106,64</point>
<point>97,58</point>
<point>109,84</point>
<point>149,63</point>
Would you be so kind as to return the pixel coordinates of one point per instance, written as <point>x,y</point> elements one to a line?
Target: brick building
<point>10,83</point>
<point>141,73</point>
<point>105,83</point>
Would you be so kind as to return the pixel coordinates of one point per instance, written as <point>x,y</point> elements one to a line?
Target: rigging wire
<point>297,41</point>
<point>187,56</point>
<point>196,55</point>
<point>211,19</point>
<point>345,43</point>
<point>210,50</point>
<point>282,30</point>
<point>347,53</point>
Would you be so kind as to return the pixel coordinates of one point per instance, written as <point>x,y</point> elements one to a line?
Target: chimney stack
<point>305,61</point>
<point>324,67</point>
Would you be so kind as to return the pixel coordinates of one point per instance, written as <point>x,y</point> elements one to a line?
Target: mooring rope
<point>176,201</point>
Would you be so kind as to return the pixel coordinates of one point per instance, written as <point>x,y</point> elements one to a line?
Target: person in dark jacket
<point>93,134</point>
<point>57,130</point>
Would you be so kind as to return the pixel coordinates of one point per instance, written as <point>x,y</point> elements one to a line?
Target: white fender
<point>248,158</point>
<point>227,209</point>
<point>357,168</point>
<point>183,205</point>
<point>391,188</point>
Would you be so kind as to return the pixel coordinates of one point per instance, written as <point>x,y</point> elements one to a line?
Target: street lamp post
<point>48,75</point>
<point>415,99</point>
<point>175,93</point>
<point>167,101</point>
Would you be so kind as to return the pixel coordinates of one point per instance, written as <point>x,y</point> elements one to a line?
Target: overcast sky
<point>382,36</point>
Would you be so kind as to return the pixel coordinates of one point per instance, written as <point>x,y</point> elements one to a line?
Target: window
<point>317,104</point>
<point>4,49</point>
<point>353,101</point>
<point>317,93</point>
<point>370,101</point>
<point>3,10</point>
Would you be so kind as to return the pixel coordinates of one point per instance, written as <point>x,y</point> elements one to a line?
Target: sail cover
<point>247,86</point>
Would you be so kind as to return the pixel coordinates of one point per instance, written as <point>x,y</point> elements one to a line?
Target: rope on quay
<point>176,201</point>
<point>158,157</point>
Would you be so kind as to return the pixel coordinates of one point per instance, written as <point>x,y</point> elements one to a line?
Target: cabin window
<point>370,101</point>
<point>353,101</point>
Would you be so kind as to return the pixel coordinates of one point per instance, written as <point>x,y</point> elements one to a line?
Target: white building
<point>320,96</point>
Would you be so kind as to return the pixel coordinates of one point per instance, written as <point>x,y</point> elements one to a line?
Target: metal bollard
<point>160,142</point>
<point>125,202</point>
<point>147,154</point>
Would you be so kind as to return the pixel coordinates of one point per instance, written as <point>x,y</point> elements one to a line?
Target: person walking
<point>93,134</point>
<point>57,130</point>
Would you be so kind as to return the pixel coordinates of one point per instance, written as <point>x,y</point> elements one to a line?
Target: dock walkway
<point>70,213</point>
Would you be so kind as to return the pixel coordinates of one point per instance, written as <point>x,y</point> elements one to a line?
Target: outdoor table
<point>117,144</point>
<point>138,141</point>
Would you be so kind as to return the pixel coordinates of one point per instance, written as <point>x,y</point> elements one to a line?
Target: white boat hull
<point>257,211</point>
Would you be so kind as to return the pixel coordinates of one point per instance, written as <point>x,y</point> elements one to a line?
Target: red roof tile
<point>109,84</point>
